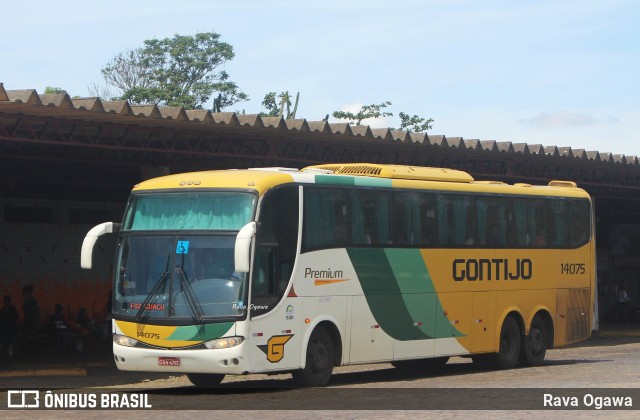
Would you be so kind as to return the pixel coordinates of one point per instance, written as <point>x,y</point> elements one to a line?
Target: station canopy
<point>58,147</point>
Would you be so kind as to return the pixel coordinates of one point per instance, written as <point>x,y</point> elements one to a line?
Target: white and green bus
<point>278,270</point>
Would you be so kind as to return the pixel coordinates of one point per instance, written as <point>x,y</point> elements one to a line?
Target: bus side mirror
<point>91,238</point>
<point>243,247</point>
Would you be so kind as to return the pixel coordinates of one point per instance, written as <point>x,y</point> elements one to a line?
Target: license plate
<point>169,361</point>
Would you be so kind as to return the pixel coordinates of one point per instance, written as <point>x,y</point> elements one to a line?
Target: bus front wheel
<point>205,380</point>
<point>320,360</point>
<point>510,341</point>
<point>534,344</point>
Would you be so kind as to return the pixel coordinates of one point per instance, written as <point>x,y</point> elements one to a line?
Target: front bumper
<point>231,361</point>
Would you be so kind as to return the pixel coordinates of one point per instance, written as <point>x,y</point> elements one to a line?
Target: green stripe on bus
<point>418,292</point>
<point>400,293</point>
<point>335,180</point>
<point>373,182</point>
<point>415,286</point>
<point>383,294</point>
<point>351,181</point>
<point>201,332</point>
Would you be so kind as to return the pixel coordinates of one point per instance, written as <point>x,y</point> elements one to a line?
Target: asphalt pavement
<point>96,367</point>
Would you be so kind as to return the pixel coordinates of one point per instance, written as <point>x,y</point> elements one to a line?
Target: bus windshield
<point>188,277</point>
<point>190,210</point>
<point>175,258</point>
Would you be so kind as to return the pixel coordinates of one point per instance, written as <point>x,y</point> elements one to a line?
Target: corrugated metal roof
<point>29,101</point>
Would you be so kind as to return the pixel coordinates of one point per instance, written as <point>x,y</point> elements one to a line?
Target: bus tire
<point>510,342</point>
<point>433,364</point>
<point>320,360</point>
<point>534,344</point>
<point>205,380</point>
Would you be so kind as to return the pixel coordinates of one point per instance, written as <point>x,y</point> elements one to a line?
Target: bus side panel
<point>418,348</point>
<point>573,321</point>
<point>453,321</point>
<point>275,338</point>
<point>369,343</point>
<point>560,337</point>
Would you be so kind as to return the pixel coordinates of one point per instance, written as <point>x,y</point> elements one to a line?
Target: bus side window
<point>443,216</point>
<point>407,218</point>
<point>371,218</point>
<point>262,277</point>
<point>493,221</point>
<point>326,218</point>
<point>523,236</point>
<point>579,223</point>
<point>428,222</point>
<point>559,222</point>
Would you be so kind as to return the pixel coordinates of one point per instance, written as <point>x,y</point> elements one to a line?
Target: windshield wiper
<point>190,296</point>
<point>160,285</point>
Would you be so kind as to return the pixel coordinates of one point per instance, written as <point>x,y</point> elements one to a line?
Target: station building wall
<point>40,244</point>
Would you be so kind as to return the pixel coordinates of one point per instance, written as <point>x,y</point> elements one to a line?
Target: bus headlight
<point>223,343</point>
<point>125,341</point>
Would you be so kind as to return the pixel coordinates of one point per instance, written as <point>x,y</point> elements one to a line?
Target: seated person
<point>8,326</point>
<point>623,296</point>
<point>59,330</point>
<point>85,322</point>
<point>626,308</point>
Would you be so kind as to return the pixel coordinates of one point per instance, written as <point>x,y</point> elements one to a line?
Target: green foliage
<point>269,102</point>
<point>367,111</point>
<point>53,90</point>
<point>414,124</point>
<point>179,71</point>
<point>277,108</point>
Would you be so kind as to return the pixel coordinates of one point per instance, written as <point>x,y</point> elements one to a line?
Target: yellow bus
<point>284,270</point>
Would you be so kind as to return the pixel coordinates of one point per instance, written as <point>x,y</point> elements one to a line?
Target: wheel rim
<point>536,341</point>
<point>319,357</point>
<point>506,343</point>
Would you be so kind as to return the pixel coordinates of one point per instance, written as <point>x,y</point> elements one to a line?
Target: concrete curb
<point>45,371</point>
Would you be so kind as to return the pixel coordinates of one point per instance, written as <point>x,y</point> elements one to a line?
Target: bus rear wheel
<point>534,344</point>
<point>510,341</point>
<point>320,360</point>
<point>205,380</point>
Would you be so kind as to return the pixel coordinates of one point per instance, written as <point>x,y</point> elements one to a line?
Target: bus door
<point>275,319</point>
<point>275,325</point>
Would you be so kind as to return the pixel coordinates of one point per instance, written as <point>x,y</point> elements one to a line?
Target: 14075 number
<point>567,268</point>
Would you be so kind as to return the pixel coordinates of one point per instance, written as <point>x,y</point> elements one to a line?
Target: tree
<point>366,112</point>
<point>277,109</point>
<point>269,102</point>
<point>179,71</point>
<point>49,90</point>
<point>127,71</point>
<point>414,124</point>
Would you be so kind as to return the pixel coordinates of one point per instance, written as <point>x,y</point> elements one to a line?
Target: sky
<point>550,72</point>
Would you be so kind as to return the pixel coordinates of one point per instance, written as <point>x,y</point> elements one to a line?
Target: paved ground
<point>97,368</point>
<point>611,359</point>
